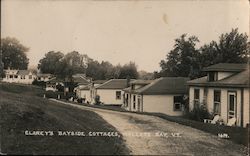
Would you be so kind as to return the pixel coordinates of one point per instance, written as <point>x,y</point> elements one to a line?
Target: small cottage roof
<point>226,67</point>
<point>162,86</point>
<point>113,84</point>
<point>23,72</point>
<point>236,80</point>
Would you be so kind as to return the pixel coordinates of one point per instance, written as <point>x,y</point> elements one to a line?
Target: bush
<point>69,95</point>
<point>199,113</point>
<point>51,94</point>
<point>39,83</point>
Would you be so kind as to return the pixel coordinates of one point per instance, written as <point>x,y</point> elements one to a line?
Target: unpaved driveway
<point>149,135</point>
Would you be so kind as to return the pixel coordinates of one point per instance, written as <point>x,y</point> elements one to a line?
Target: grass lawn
<point>21,110</point>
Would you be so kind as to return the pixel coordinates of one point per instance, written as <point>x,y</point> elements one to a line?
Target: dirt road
<point>149,135</point>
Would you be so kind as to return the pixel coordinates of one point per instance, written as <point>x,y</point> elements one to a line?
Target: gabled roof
<point>164,85</point>
<point>24,72</point>
<point>226,67</point>
<point>236,80</point>
<point>87,87</point>
<point>80,78</point>
<point>55,79</point>
<point>11,71</point>
<point>113,84</point>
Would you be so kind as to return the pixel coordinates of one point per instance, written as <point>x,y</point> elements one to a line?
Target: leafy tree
<point>94,70</point>
<point>76,61</point>
<point>51,62</point>
<point>231,48</point>
<point>129,70</point>
<point>183,60</point>
<point>14,54</point>
<point>146,75</point>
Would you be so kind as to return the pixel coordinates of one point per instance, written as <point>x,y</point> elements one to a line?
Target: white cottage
<point>44,77</point>
<point>163,95</point>
<point>88,92</point>
<point>224,91</point>
<point>19,76</point>
<point>111,92</point>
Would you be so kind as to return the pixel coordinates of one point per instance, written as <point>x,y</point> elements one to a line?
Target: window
<point>30,76</point>
<point>11,76</point>
<point>212,76</point>
<point>217,101</point>
<point>118,95</point>
<point>196,96</point>
<point>231,104</point>
<point>15,76</point>
<point>205,96</point>
<point>177,103</point>
<point>133,87</point>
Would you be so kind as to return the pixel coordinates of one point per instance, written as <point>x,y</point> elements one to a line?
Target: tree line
<point>184,60</point>
<point>65,66</point>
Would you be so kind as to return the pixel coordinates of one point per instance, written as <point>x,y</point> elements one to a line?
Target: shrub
<point>69,95</point>
<point>51,94</point>
<point>199,113</point>
<point>39,83</point>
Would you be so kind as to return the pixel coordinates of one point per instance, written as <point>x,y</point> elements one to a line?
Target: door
<point>231,105</point>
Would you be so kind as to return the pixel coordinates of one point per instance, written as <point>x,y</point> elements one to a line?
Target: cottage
<point>44,77</point>
<point>224,91</point>
<point>88,92</point>
<point>51,85</point>
<point>111,92</point>
<point>19,76</point>
<point>163,95</point>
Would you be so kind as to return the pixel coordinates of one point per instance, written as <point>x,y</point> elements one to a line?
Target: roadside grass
<point>238,135</point>
<point>21,110</point>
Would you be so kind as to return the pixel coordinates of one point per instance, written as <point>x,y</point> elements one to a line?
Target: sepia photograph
<point>125,77</point>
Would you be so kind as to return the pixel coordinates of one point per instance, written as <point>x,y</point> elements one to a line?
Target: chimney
<point>128,81</point>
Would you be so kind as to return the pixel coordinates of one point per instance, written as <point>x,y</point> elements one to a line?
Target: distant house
<point>224,91</point>
<point>163,95</point>
<point>111,92</point>
<point>51,85</point>
<point>81,79</point>
<point>19,76</point>
<point>88,92</point>
<point>44,77</point>
<point>68,85</point>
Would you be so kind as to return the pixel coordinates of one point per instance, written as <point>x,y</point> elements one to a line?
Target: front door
<point>231,105</point>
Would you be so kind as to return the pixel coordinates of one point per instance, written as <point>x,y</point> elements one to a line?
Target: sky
<point>141,31</point>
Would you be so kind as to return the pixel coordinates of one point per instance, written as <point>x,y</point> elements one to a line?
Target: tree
<point>231,48</point>
<point>146,75</point>
<point>94,70</point>
<point>14,54</point>
<point>129,70</point>
<point>183,60</point>
<point>51,62</point>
